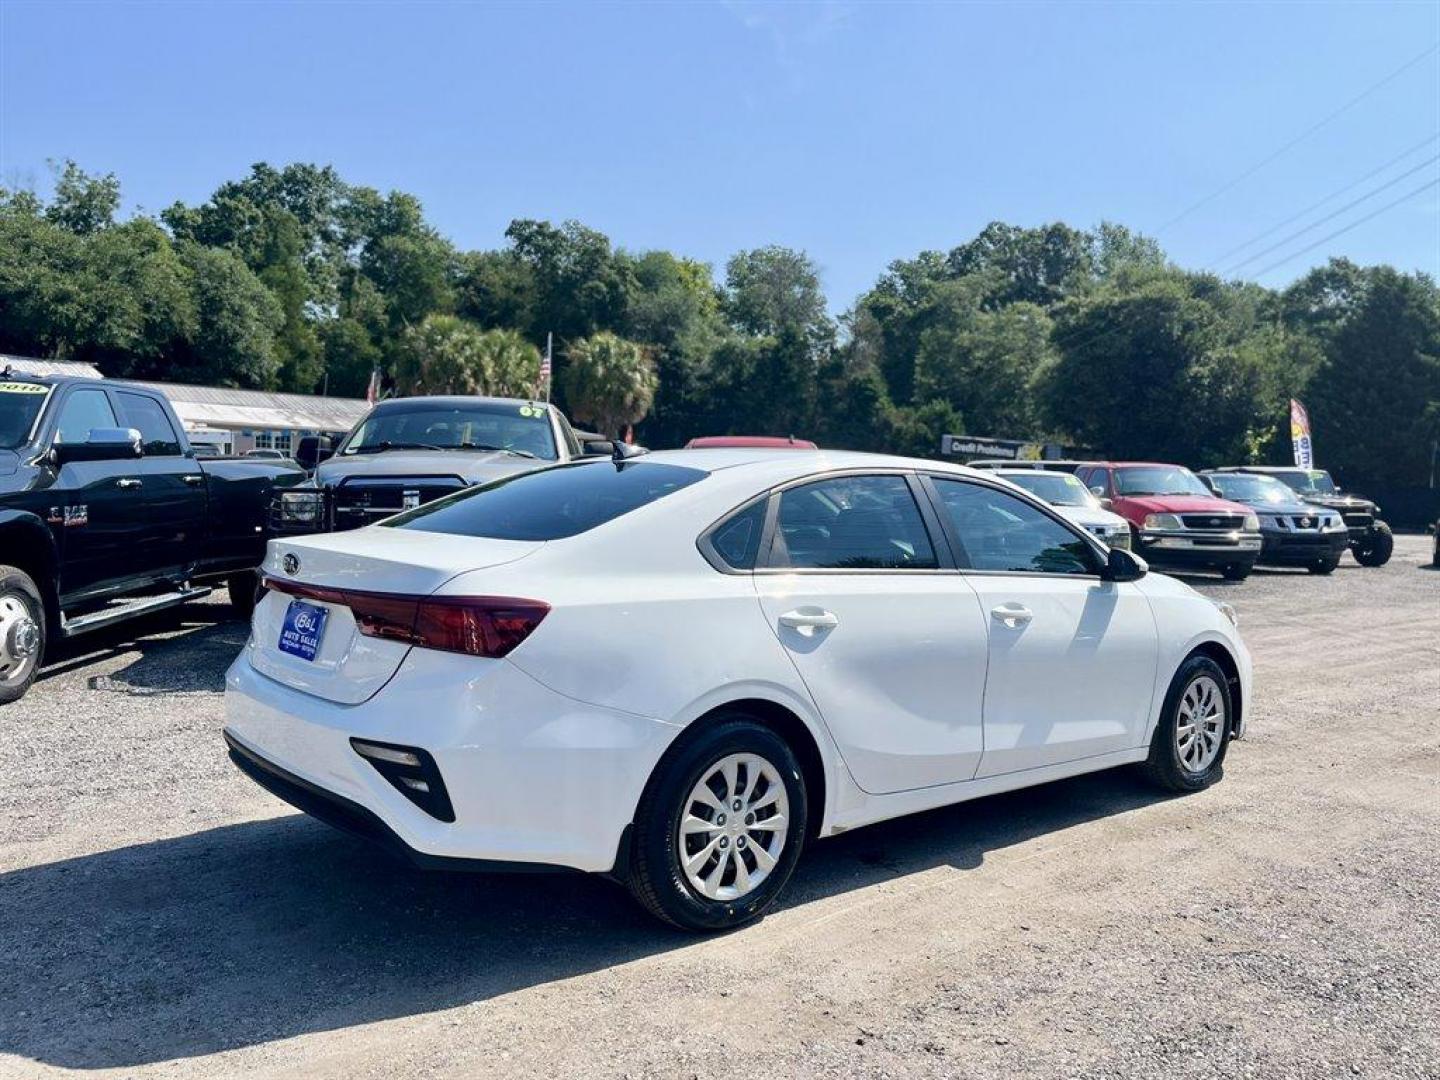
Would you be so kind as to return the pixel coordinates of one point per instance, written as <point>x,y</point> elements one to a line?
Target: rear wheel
<point>1236,571</point>
<point>245,590</point>
<point>719,828</point>
<point>22,633</point>
<point>1187,752</point>
<point>1376,549</point>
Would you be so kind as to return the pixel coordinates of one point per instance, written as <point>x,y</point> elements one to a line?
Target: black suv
<point>1293,531</point>
<point>1371,541</point>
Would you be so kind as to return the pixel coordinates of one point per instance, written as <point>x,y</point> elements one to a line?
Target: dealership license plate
<point>304,626</point>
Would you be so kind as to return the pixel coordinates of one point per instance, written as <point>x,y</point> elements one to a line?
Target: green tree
<point>237,322</point>
<point>609,382</point>
<point>83,203</point>
<point>444,354</point>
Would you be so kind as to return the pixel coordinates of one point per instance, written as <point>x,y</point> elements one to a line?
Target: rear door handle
<point>129,482</point>
<point>1012,616</point>
<point>809,621</point>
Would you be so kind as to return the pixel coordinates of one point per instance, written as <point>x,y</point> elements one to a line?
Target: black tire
<point>657,879</point>
<point>1236,571</point>
<point>1376,549</point>
<point>16,584</point>
<point>1324,566</point>
<point>1164,766</point>
<point>245,590</point>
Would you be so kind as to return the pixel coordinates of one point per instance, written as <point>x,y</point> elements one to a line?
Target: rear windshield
<point>550,504</point>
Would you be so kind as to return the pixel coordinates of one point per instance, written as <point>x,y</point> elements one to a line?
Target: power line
<point>1298,138</point>
<point>1354,224</point>
<point>1333,214</point>
<point>1219,259</point>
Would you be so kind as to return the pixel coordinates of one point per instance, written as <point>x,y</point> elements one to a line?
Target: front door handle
<point>192,478</point>
<point>1012,616</point>
<point>809,621</point>
<point>129,482</point>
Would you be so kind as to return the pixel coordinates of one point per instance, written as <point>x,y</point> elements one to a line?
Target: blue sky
<point>860,133</point>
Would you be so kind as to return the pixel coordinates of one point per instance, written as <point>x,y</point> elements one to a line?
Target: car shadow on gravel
<point>256,932</point>
<point>185,649</point>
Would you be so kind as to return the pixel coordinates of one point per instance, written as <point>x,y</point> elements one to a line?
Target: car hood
<point>1183,504</point>
<point>1339,501</point>
<point>1294,506</point>
<point>1089,516</point>
<point>9,462</point>
<point>472,466</point>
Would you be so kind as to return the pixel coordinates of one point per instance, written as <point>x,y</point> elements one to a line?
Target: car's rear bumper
<point>1301,549</point>
<point>536,779</point>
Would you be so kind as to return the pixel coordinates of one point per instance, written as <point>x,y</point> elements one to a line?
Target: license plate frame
<point>303,629</point>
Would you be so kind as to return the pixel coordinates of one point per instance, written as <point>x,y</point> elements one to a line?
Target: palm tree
<point>448,355</point>
<point>609,382</point>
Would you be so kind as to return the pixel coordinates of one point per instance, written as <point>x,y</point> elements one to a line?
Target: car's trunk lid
<point>349,667</point>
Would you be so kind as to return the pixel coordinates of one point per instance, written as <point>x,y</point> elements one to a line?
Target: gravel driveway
<point>161,915</point>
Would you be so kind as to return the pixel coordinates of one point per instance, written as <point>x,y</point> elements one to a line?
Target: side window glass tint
<point>737,541</point>
<point>852,523</point>
<point>84,409</point>
<point>1000,532</point>
<point>146,416</point>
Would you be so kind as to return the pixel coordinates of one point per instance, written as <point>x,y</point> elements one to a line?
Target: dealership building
<point>233,421</point>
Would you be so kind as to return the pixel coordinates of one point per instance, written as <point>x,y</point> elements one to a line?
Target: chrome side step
<point>98,620</point>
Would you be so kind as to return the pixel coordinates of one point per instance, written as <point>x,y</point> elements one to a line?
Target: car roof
<point>795,460</point>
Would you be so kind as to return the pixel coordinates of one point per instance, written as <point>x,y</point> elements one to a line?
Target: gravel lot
<point>161,915</point>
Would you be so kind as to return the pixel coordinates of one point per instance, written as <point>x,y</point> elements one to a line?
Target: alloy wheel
<point>733,827</point>
<point>1200,725</point>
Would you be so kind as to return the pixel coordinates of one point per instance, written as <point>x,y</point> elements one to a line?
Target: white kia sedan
<point>679,668</point>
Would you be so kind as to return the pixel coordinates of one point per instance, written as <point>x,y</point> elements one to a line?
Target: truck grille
<point>1305,521</point>
<point>359,502</point>
<point>1212,521</point>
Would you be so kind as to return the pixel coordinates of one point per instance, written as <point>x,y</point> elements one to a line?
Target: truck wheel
<point>22,633</point>
<point>1326,565</point>
<point>1376,549</point>
<point>1236,571</point>
<point>245,590</point>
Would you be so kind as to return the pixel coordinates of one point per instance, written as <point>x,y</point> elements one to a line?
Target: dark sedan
<point>1292,532</point>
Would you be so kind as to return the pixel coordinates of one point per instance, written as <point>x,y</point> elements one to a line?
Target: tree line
<point>294,279</point>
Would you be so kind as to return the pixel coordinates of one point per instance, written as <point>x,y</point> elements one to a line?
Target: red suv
<point>1174,518</point>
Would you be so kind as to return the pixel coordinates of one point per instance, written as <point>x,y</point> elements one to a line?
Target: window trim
<point>954,540</point>
<point>939,541</point>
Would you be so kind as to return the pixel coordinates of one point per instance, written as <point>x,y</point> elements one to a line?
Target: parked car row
<point>1227,519</point>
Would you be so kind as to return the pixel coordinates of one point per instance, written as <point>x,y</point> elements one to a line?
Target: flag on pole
<point>372,392</point>
<point>545,364</point>
<point>1300,435</point>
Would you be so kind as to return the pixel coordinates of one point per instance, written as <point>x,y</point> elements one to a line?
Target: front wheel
<point>1236,571</point>
<point>22,633</point>
<point>719,827</point>
<point>1187,752</point>
<point>1376,549</point>
<point>1326,565</point>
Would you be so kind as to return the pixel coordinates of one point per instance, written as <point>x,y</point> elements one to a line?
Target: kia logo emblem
<point>291,563</point>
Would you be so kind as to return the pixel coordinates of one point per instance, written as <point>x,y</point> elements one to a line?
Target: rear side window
<point>737,540</point>
<point>852,523</point>
<point>145,415</point>
<point>550,504</point>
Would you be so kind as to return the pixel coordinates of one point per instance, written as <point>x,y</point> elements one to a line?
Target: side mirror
<point>314,449</point>
<point>1098,491</point>
<point>598,448</point>
<point>101,444</point>
<point>1124,565</point>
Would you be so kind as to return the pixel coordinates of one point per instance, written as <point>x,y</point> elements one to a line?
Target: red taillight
<point>475,625</point>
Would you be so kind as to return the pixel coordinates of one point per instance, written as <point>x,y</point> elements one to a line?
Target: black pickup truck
<point>106,513</point>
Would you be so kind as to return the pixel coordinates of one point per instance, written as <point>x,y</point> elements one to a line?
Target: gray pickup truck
<point>106,513</point>
<point>408,451</point>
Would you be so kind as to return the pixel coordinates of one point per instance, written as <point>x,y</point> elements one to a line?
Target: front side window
<point>84,410</point>
<point>852,523</point>
<point>997,531</point>
<point>550,504</point>
<point>146,416</point>
<point>519,427</point>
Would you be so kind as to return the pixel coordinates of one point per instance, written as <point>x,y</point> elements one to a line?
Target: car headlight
<point>1228,611</point>
<point>301,507</point>
<point>1251,523</point>
<point>1162,521</point>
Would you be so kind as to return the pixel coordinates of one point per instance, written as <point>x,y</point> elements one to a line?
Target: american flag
<point>545,364</point>
<point>372,392</point>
